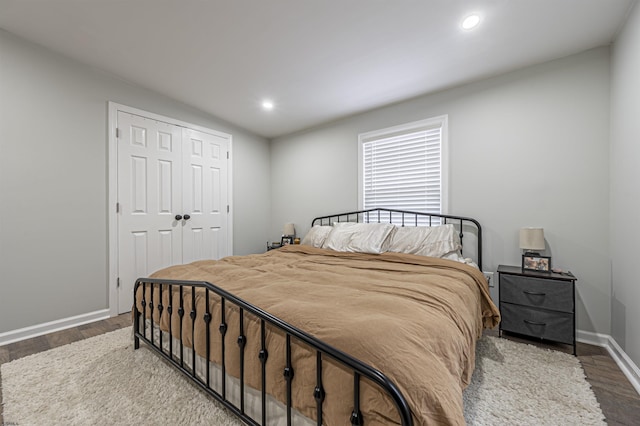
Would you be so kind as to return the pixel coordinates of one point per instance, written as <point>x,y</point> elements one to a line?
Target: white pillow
<point>457,256</point>
<point>359,237</point>
<point>316,236</point>
<point>436,241</point>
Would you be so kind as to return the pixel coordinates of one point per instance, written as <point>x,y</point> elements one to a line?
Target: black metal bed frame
<point>360,370</point>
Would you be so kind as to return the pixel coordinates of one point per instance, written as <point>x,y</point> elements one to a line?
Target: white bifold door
<point>172,198</point>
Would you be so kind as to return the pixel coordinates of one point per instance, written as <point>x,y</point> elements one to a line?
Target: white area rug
<point>103,381</point>
<point>519,384</point>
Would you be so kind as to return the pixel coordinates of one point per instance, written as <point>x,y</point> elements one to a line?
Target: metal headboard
<point>407,218</point>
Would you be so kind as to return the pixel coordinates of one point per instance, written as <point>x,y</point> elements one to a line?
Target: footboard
<point>177,292</point>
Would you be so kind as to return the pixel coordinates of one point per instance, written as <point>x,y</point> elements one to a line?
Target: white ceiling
<point>317,60</point>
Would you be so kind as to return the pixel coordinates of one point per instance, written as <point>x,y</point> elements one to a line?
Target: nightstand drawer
<point>537,292</point>
<point>557,326</point>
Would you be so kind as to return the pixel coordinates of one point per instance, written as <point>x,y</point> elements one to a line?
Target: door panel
<point>205,195</point>
<point>215,243</point>
<point>149,194</point>
<point>196,184</point>
<point>140,255</point>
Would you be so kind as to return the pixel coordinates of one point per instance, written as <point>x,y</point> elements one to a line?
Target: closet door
<point>149,197</point>
<point>204,196</point>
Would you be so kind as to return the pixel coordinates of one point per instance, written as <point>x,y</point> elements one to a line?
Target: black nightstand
<point>538,304</point>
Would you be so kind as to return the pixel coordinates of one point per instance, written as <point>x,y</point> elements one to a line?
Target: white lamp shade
<point>289,229</point>
<point>532,239</point>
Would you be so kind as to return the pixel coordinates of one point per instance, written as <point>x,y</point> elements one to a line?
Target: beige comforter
<point>414,318</point>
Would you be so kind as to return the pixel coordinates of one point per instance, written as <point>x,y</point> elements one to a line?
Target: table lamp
<point>289,230</point>
<point>532,239</point>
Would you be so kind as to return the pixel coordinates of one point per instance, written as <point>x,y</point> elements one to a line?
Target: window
<point>404,167</point>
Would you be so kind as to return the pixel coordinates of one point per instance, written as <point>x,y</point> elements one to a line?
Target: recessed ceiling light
<point>470,22</point>
<point>268,105</point>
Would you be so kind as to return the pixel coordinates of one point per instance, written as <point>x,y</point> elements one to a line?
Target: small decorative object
<point>296,241</point>
<point>286,240</point>
<point>534,262</point>
<point>273,245</point>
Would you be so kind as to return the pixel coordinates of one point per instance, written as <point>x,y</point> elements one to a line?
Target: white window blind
<point>402,167</point>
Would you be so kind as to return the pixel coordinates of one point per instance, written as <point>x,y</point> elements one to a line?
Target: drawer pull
<point>533,293</point>
<point>535,323</point>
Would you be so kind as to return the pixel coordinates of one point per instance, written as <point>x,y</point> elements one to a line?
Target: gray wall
<point>53,182</point>
<point>527,148</point>
<point>625,188</point>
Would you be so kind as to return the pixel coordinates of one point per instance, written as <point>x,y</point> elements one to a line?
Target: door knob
<point>187,217</point>
<point>178,217</point>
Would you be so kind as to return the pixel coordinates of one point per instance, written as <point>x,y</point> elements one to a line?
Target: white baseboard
<point>628,367</point>
<point>591,338</point>
<point>49,327</point>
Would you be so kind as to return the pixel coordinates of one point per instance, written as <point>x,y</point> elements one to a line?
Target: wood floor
<point>619,401</point>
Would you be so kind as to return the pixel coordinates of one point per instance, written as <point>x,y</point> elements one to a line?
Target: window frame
<point>441,121</point>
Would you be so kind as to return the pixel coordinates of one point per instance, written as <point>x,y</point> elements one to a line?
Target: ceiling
<point>316,60</point>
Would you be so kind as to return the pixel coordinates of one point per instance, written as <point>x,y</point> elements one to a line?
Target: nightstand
<point>538,304</point>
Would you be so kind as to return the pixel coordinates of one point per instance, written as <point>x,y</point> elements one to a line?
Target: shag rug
<point>103,381</point>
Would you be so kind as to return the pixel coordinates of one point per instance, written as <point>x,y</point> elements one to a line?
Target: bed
<point>359,325</point>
